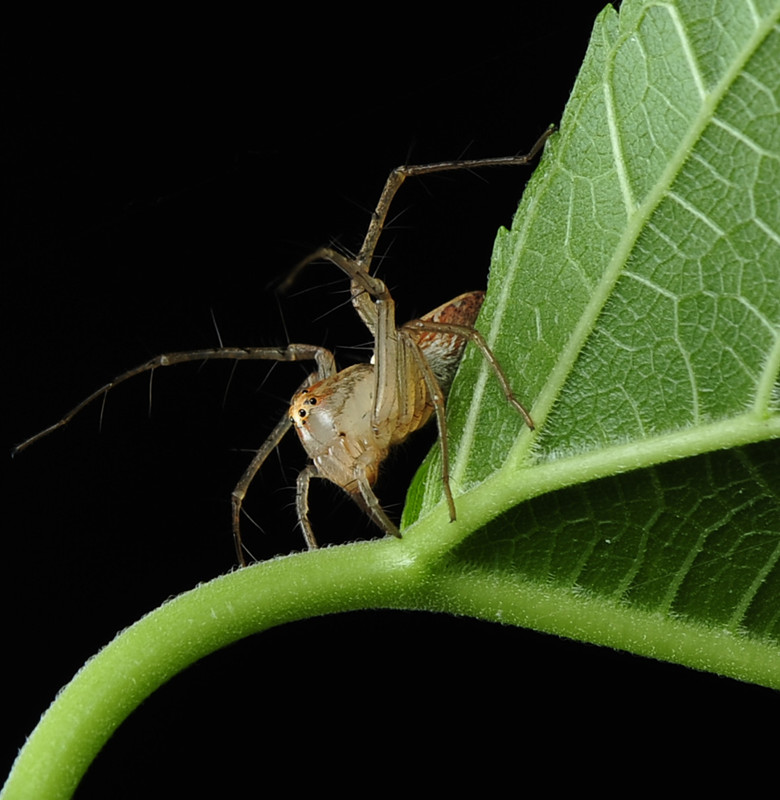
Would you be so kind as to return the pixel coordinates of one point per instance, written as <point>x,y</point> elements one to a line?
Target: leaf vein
<point>700,215</point>
<point>690,57</point>
<point>741,137</point>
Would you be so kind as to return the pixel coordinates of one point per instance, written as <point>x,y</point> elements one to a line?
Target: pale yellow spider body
<point>333,418</point>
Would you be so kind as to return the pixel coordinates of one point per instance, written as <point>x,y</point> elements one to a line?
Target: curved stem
<point>143,657</point>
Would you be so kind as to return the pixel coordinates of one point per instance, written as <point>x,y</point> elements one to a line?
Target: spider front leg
<point>326,367</point>
<point>364,498</point>
<point>293,352</point>
<point>364,287</point>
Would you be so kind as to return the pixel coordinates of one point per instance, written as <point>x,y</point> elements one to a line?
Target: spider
<point>348,420</point>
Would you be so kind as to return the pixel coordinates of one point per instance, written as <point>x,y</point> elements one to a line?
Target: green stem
<point>595,619</point>
<point>140,659</point>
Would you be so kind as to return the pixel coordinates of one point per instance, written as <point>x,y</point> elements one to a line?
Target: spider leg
<point>239,493</point>
<point>363,286</point>
<point>365,499</point>
<point>439,405</point>
<point>302,503</point>
<point>326,366</point>
<point>361,264</point>
<point>474,336</point>
<point>400,174</point>
<point>369,502</point>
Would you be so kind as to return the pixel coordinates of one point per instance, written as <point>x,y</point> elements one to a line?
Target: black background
<point>152,177</point>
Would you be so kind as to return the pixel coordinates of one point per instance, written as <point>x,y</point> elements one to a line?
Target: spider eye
<point>302,412</point>
<point>312,401</point>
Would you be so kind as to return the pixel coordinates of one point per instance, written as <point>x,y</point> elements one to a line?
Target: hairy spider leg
<point>363,304</point>
<point>326,366</point>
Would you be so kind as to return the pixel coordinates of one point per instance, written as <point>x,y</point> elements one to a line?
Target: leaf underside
<point>635,306</point>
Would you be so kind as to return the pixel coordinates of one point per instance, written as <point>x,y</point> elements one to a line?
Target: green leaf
<point>636,307</point>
